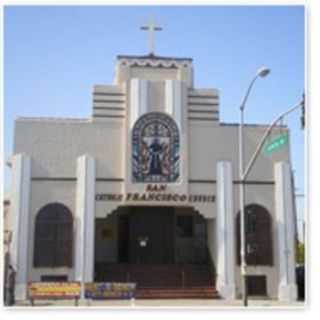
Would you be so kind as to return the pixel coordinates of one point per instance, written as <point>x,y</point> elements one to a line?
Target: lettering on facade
<point>155,197</point>
<point>156,187</point>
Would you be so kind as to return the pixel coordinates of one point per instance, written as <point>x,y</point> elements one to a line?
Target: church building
<point>146,190</point>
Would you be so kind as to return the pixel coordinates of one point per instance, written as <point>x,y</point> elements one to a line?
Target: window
<point>53,237</point>
<point>259,250</point>
<point>184,226</point>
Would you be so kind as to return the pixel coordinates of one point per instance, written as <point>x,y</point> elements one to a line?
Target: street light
<point>262,72</point>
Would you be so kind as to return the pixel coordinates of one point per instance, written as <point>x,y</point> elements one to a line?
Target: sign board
<point>110,290</point>
<point>276,143</point>
<point>54,290</point>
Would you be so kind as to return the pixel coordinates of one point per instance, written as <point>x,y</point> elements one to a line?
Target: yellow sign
<point>49,290</point>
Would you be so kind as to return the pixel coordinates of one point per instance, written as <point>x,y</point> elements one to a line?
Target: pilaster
<point>85,220</point>
<point>174,100</point>
<point>285,231</point>
<point>225,232</point>
<point>139,99</point>
<point>21,172</point>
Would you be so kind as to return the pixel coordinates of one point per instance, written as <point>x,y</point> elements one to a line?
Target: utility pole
<point>244,174</point>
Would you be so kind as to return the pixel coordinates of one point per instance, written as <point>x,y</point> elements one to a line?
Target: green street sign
<point>276,143</point>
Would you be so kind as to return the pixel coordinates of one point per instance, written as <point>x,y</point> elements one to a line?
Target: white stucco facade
<point>81,162</point>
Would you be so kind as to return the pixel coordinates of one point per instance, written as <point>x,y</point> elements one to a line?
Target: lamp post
<point>262,72</point>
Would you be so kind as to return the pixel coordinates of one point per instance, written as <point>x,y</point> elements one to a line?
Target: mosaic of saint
<point>155,149</point>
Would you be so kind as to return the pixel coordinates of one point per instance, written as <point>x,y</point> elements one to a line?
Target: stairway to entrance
<point>163,281</point>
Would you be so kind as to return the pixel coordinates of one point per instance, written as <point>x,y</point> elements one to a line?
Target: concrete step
<point>177,293</point>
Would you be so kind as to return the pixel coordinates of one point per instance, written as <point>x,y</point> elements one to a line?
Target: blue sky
<point>54,55</point>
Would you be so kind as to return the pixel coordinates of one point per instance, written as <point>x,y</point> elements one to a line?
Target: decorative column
<point>85,221</point>
<point>225,232</point>
<point>20,210</point>
<point>139,99</point>
<point>285,219</point>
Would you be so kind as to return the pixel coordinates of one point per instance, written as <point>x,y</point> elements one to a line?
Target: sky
<point>54,55</point>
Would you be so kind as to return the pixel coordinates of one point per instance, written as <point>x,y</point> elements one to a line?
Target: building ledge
<point>152,57</point>
<point>252,125</point>
<point>53,119</point>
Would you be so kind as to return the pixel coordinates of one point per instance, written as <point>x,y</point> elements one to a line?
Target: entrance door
<point>123,238</point>
<point>151,239</point>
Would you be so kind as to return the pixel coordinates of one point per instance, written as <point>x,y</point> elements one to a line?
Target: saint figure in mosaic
<point>155,149</point>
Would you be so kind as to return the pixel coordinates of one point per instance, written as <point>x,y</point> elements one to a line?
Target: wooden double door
<point>146,236</point>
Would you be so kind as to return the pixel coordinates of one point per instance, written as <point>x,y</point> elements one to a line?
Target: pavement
<point>163,303</point>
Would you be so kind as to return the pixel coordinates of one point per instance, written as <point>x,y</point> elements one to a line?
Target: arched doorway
<point>53,245</point>
<point>258,226</point>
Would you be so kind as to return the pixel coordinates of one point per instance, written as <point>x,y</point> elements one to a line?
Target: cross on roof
<point>151,28</point>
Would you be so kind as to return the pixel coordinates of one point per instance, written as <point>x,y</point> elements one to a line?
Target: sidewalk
<point>170,303</point>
